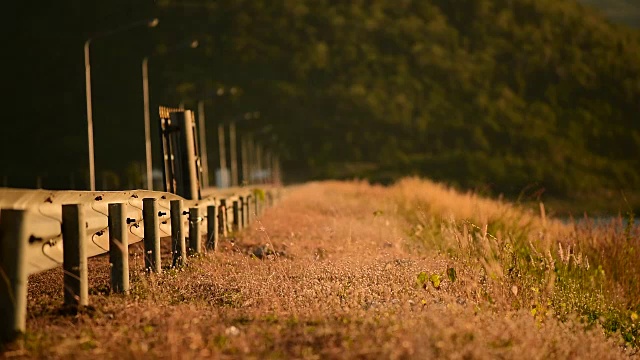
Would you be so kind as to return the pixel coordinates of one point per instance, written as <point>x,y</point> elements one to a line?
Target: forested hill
<point>504,93</point>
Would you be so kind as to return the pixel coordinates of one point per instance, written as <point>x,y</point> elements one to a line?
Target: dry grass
<point>342,270</point>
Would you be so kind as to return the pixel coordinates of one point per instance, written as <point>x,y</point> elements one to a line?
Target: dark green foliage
<point>481,93</point>
<point>498,95</point>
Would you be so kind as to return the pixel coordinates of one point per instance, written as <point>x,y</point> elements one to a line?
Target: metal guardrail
<point>37,227</point>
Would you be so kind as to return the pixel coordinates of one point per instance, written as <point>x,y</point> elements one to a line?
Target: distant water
<point>601,221</point>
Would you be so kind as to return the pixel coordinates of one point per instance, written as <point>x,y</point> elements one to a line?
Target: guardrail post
<point>256,200</point>
<point>195,235</point>
<point>212,227</point>
<point>118,248</point>
<point>245,211</point>
<point>270,199</point>
<point>243,214</point>
<point>152,261</point>
<point>74,233</point>
<point>222,218</point>
<point>236,215</point>
<point>178,242</point>
<point>278,197</point>
<point>249,210</point>
<point>228,219</point>
<point>13,284</point>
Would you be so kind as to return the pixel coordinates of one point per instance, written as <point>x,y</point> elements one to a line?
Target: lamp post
<point>203,144</point>
<point>233,91</point>
<point>87,74</point>
<point>147,121</point>
<point>233,146</point>
<point>262,163</point>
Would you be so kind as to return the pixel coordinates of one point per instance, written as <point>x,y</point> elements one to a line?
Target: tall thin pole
<point>147,122</point>
<point>223,155</point>
<point>87,76</point>
<point>234,157</point>
<point>259,162</point>
<point>268,166</point>
<point>203,145</point>
<point>244,154</point>
<point>252,159</point>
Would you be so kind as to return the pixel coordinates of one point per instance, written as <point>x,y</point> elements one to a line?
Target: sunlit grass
<point>348,269</point>
<point>527,261</point>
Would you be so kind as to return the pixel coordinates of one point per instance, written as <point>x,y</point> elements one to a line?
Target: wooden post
<point>212,227</point>
<point>178,242</point>
<point>195,235</point>
<point>74,233</point>
<point>13,284</point>
<point>118,248</point>
<point>152,260</point>
<point>236,215</point>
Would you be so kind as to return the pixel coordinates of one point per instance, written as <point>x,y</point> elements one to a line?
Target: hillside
<point>504,96</point>
<point>493,94</point>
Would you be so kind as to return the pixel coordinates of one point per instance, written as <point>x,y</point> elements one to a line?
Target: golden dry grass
<point>334,272</point>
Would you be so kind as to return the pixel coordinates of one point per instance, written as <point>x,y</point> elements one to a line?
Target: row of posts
<point>14,239</point>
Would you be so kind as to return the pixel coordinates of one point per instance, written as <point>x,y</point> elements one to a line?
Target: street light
<point>147,121</point>
<point>262,164</point>
<point>232,143</point>
<point>220,92</point>
<point>87,73</point>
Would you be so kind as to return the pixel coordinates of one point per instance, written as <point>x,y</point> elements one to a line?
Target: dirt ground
<point>329,272</point>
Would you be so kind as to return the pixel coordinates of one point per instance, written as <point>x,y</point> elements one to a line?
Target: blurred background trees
<point>491,94</point>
